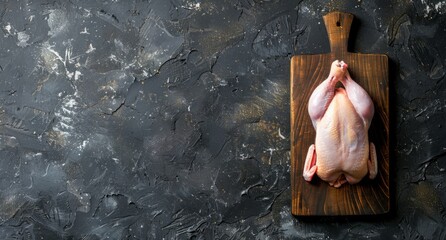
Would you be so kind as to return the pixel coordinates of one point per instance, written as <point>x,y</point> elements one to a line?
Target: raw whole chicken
<point>341,117</point>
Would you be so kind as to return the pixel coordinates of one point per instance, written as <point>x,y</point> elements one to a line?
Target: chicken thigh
<point>341,117</point>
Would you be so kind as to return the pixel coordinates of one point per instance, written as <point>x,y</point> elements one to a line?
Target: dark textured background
<point>170,119</point>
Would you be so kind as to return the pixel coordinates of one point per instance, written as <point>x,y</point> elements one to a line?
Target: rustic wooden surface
<point>369,197</point>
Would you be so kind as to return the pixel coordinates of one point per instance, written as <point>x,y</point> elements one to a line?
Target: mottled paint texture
<point>170,119</point>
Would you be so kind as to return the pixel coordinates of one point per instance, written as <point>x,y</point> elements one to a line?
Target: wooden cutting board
<point>317,198</point>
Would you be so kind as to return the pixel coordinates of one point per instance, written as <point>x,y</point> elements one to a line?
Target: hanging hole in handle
<point>338,23</point>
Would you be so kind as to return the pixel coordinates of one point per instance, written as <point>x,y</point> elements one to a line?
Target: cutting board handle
<point>338,28</point>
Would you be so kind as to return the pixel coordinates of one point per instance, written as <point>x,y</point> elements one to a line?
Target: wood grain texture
<point>369,197</point>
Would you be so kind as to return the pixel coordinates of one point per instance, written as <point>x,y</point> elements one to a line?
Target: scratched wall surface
<point>170,119</point>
